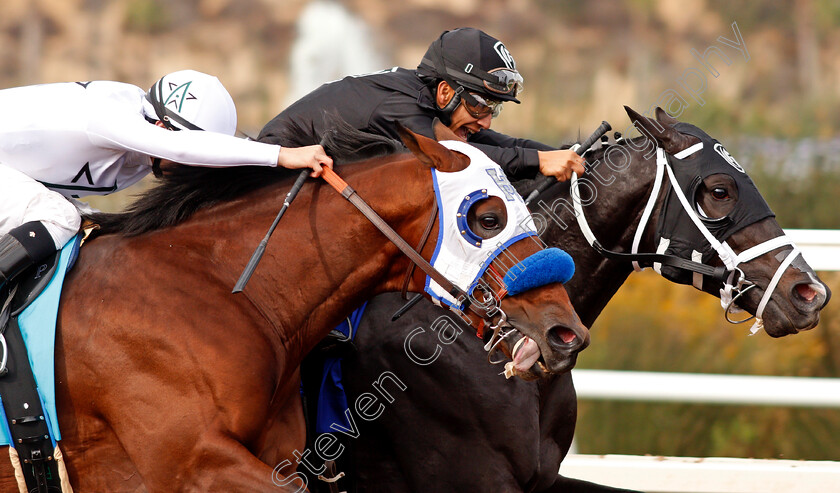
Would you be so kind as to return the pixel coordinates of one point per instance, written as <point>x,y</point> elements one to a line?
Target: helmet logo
<point>505,55</point>
<point>728,157</point>
<point>179,95</point>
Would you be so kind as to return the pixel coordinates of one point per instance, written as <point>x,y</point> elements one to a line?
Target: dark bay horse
<point>460,426</point>
<point>168,382</point>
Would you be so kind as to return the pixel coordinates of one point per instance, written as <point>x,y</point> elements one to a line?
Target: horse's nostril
<point>562,335</point>
<point>807,292</point>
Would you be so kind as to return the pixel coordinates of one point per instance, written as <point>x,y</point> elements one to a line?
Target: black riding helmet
<point>471,60</point>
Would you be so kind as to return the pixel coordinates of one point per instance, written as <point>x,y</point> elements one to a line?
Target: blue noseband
<point>544,267</point>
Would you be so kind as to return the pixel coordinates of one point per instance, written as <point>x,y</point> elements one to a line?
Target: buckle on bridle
<point>498,336</point>
<point>740,287</point>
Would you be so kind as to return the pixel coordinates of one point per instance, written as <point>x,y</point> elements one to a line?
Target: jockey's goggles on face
<point>482,106</point>
<point>510,82</point>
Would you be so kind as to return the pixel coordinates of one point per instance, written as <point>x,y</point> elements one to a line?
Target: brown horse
<point>168,382</point>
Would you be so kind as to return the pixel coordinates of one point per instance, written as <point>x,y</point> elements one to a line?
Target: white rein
<point>733,287</point>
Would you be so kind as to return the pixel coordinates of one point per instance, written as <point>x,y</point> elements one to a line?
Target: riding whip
<point>258,253</point>
<point>547,181</point>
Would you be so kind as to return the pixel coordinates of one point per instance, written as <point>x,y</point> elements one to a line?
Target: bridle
<point>497,336</point>
<point>486,313</point>
<point>498,332</point>
<point>732,278</point>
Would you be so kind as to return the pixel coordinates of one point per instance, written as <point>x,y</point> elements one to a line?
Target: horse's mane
<point>183,190</point>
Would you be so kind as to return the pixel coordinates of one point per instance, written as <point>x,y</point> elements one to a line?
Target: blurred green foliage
<point>147,17</point>
<point>787,119</point>
<point>802,202</point>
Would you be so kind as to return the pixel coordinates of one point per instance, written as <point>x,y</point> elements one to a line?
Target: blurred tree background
<point>768,88</point>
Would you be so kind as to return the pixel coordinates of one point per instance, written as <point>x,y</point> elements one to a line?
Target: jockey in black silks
<point>462,80</point>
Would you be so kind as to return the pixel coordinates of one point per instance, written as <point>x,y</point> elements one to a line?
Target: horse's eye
<point>490,221</point>
<point>720,193</point>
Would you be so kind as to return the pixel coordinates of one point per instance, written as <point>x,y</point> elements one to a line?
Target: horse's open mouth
<point>526,353</point>
<point>527,361</point>
<point>786,313</point>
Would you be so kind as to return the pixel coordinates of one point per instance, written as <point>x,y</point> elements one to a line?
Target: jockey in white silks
<point>62,141</point>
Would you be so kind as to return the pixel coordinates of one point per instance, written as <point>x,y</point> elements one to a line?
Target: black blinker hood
<point>675,224</point>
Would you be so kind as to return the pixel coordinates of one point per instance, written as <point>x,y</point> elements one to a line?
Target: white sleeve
<point>133,133</point>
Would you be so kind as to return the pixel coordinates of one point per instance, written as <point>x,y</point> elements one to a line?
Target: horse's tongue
<point>527,355</point>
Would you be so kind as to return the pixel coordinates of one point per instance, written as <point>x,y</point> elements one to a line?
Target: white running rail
<point>821,249</point>
<point>709,475</point>
<point>706,475</point>
<point>707,389</point>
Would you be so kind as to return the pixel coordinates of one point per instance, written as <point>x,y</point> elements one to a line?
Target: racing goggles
<point>480,107</point>
<point>510,82</point>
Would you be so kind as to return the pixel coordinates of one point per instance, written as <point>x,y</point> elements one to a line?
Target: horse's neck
<point>613,218</point>
<point>325,258</point>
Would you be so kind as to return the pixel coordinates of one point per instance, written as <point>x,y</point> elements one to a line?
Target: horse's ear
<point>442,132</point>
<point>663,117</point>
<point>430,153</point>
<point>665,135</point>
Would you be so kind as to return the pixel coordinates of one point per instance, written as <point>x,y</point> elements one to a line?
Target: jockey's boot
<point>22,247</point>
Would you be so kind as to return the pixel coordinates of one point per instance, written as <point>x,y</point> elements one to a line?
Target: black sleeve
<point>491,137</point>
<point>518,163</point>
<point>517,157</point>
<point>399,107</point>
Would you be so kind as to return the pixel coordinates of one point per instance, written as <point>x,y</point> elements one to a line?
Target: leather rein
<point>486,314</point>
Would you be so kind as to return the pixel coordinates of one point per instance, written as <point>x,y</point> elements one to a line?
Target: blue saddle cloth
<point>37,325</point>
<point>332,401</point>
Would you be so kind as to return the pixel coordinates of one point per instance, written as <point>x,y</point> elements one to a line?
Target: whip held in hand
<point>258,253</point>
<point>547,181</point>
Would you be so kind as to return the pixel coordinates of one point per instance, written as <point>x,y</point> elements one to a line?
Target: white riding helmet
<point>191,100</point>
